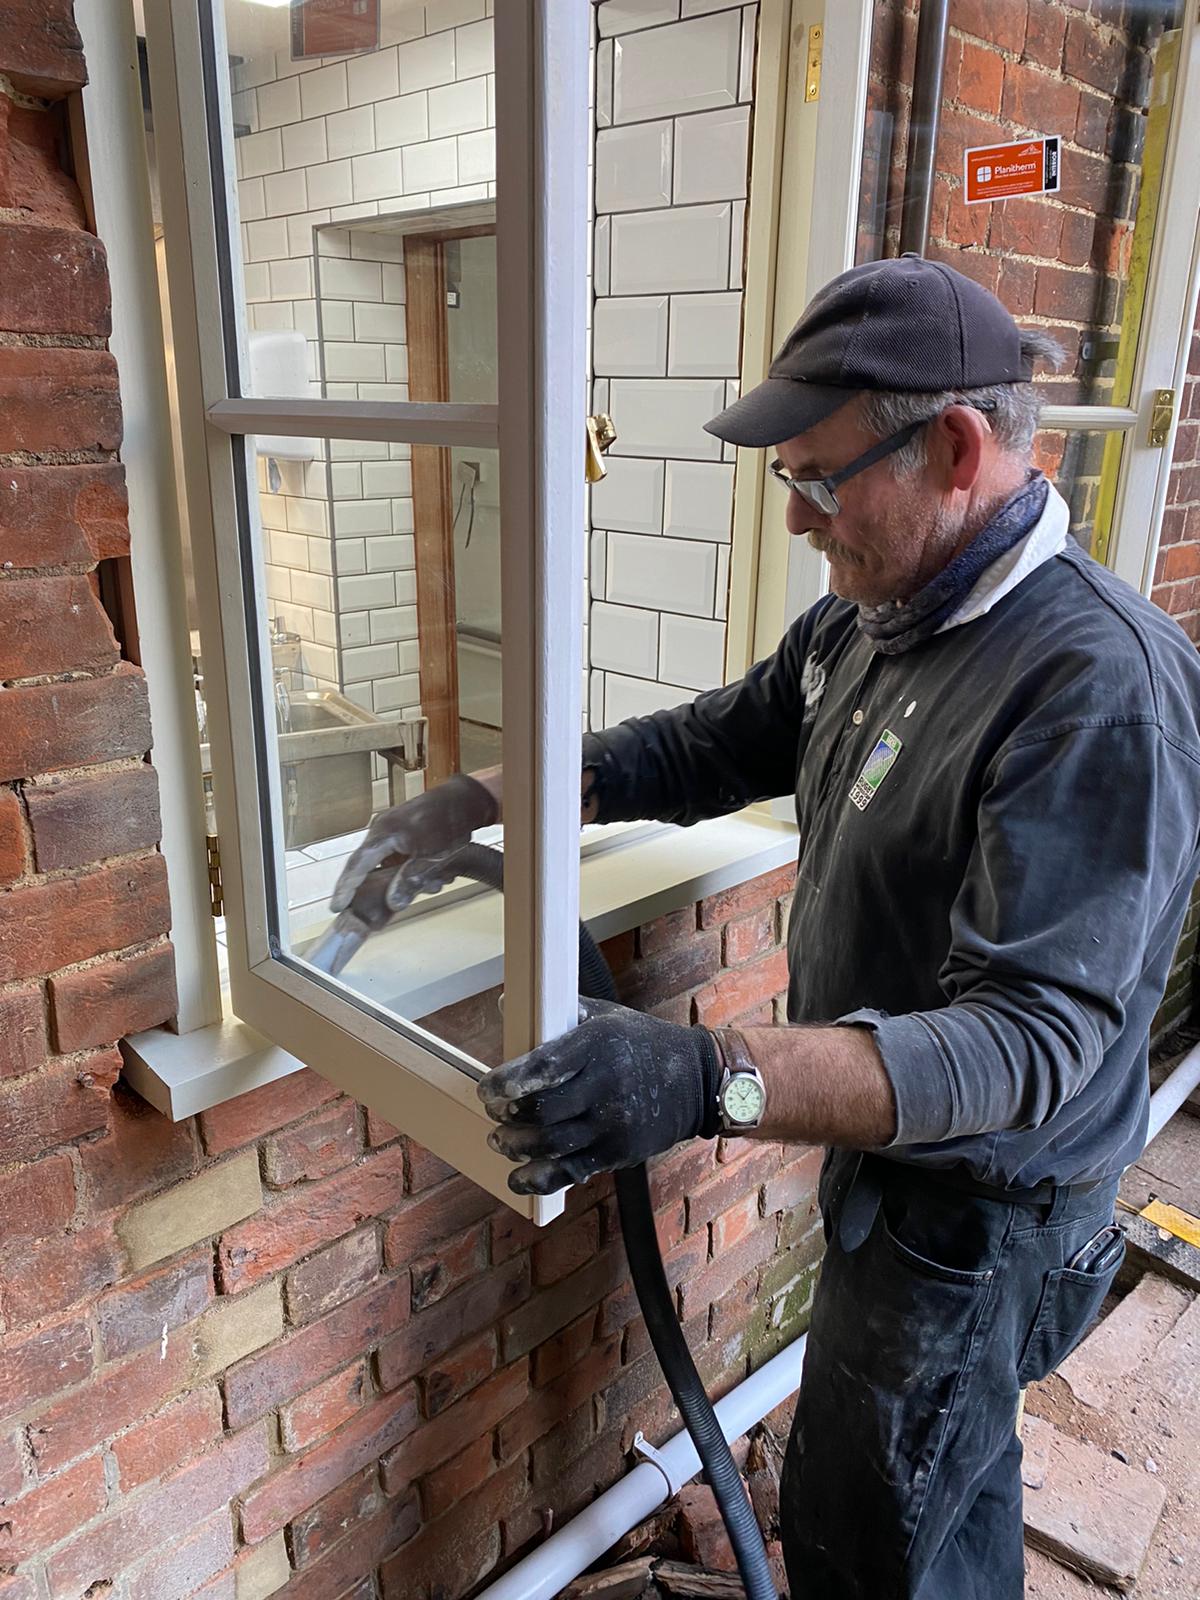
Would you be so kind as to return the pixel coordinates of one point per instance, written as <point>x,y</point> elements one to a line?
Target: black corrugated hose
<point>486,865</point>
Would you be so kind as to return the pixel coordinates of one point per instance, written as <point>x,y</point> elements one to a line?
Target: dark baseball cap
<point>906,323</point>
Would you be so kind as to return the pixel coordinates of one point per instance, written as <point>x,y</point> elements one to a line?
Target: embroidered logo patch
<point>876,768</point>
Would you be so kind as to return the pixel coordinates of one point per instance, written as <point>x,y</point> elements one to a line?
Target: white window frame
<point>814,161</point>
<point>208,1055</point>
<point>407,1076</point>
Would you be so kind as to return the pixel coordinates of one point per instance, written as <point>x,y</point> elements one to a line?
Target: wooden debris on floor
<point>693,1583</point>
<point>628,1581</point>
<point>656,1578</point>
<point>683,1551</point>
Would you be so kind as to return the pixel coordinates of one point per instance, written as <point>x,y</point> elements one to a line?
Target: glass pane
<point>1101,79</point>
<point>369,558</point>
<point>385,111</point>
<point>1083,464</point>
<point>431,335</point>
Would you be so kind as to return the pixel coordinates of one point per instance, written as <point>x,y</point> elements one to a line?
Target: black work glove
<point>613,1092</point>
<point>406,850</point>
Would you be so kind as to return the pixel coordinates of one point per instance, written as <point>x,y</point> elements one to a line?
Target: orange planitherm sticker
<point>998,171</point>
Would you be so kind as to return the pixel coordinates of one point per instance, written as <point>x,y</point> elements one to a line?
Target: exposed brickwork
<point>63,516</point>
<point>439,1380</point>
<point>52,280</point>
<point>83,904</point>
<point>1177,571</point>
<point>40,49</point>
<point>74,821</point>
<point>284,1344</point>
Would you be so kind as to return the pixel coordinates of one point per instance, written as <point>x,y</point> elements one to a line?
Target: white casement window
<point>263,438</point>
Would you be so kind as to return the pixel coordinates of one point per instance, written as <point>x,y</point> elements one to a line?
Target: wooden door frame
<point>433,519</point>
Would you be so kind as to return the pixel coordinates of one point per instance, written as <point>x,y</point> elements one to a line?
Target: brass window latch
<point>1162,414</point>
<point>601,435</point>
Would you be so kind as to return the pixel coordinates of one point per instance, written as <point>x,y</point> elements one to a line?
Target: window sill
<point>633,880</point>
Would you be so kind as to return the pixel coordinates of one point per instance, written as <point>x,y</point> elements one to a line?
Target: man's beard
<point>942,532</point>
<point>833,549</point>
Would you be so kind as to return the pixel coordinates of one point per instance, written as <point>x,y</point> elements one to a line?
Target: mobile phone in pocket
<point>1100,1252</point>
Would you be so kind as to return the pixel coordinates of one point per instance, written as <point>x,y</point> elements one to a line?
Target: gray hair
<point>1012,408</point>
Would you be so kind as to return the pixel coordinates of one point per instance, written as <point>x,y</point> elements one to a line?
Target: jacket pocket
<point>1069,1305</point>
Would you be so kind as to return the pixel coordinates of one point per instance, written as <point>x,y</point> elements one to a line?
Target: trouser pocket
<point>1070,1303</point>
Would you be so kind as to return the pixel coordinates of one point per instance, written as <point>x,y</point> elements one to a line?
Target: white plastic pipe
<point>597,1528</point>
<point>1173,1091</point>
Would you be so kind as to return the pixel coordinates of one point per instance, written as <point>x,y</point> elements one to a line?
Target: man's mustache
<point>833,548</point>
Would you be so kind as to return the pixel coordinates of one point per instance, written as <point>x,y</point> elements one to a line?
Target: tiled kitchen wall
<point>293,504</point>
<point>364,354</point>
<point>673,89</point>
<point>324,149</point>
<point>409,128</point>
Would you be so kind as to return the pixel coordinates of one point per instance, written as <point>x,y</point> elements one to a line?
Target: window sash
<point>431,422</point>
<point>419,1083</point>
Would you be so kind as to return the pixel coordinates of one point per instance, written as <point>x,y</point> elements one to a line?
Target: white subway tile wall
<point>666,416</point>
<point>629,336</point>
<point>670,71</point>
<point>665,574</point>
<point>698,502</point>
<point>633,166</point>
<point>673,86</point>
<point>328,144</point>
<point>706,335</point>
<point>630,498</point>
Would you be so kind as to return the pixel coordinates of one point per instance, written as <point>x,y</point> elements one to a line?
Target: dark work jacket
<point>998,840</point>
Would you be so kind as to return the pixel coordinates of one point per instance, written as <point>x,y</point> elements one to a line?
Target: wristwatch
<point>742,1094</point>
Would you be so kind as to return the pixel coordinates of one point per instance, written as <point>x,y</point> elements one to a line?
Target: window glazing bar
<point>393,421</point>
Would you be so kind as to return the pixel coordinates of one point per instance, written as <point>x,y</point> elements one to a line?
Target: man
<point>994,750</point>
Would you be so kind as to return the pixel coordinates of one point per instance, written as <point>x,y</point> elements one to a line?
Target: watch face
<point>743,1099</point>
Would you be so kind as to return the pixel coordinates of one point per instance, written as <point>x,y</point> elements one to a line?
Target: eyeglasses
<point>821,493</point>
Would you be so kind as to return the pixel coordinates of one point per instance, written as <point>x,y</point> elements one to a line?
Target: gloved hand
<point>613,1092</point>
<point>409,844</point>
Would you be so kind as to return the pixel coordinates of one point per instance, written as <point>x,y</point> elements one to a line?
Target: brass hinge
<point>216,888</point>
<point>1161,416</point>
<point>812,71</point>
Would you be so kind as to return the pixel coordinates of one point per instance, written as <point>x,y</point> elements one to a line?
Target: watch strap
<point>735,1052</point>
<point>735,1058</point>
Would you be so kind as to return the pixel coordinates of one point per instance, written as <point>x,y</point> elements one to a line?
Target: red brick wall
<point>83,899</point>
<point>281,1344</point>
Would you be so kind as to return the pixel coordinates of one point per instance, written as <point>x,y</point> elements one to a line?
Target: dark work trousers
<point>902,1479</point>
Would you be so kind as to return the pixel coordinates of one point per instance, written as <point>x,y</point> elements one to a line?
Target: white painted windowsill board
<point>629,883</point>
